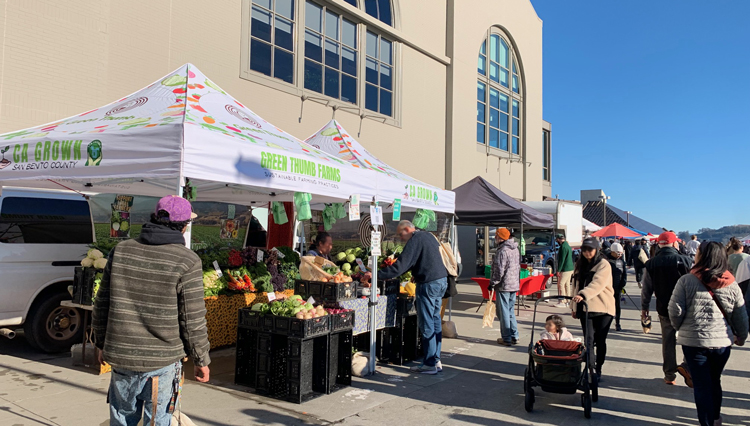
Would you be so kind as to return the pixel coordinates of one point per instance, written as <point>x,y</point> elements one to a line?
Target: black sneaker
<point>618,328</point>
<point>514,341</point>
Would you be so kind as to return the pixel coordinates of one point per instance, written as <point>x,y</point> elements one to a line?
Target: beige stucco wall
<point>519,20</point>
<point>59,58</point>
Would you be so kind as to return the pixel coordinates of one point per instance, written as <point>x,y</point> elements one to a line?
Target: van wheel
<point>53,328</point>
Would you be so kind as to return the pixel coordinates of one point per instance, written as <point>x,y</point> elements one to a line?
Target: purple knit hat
<point>179,209</point>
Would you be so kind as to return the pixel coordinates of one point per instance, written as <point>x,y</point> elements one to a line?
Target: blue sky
<point>650,101</point>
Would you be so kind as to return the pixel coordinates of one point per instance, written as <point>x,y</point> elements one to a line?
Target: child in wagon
<point>555,329</point>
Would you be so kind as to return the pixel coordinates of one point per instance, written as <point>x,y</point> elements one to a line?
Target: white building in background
<point>443,90</point>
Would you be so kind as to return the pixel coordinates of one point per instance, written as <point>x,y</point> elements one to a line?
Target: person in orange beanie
<point>505,280</point>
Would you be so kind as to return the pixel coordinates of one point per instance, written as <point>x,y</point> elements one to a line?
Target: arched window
<point>378,9</point>
<point>499,96</point>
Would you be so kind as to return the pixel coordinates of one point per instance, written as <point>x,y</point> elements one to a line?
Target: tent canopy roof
<point>182,126</point>
<point>481,204</point>
<point>333,139</point>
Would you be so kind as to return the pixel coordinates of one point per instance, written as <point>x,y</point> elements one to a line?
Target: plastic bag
<point>279,213</point>
<point>302,204</point>
<point>423,218</point>
<point>311,268</point>
<point>489,312</point>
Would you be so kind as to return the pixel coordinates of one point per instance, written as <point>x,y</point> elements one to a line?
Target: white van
<point>43,236</point>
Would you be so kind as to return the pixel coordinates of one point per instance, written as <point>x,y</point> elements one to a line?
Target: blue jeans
<point>505,304</point>
<point>130,392</point>
<point>429,300</point>
<point>706,366</point>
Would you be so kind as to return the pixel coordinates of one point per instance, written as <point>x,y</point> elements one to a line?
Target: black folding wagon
<point>560,367</point>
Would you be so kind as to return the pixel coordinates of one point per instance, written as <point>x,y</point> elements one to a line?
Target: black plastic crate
<point>250,319</point>
<point>339,361</point>
<point>326,292</point>
<point>392,286</point>
<point>309,328</point>
<point>406,306</point>
<point>342,321</point>
<point>404,341</point>
<point>245,359</point>
<point>83,285</point>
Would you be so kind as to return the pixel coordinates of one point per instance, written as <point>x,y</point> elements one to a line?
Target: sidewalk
<point>482,383</point>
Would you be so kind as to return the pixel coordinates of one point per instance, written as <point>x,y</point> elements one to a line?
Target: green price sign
<point>397,210</point>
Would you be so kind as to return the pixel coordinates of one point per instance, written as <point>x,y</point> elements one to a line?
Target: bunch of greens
<point>291,272</point>
<point>260,276</point>
<point>213,285</point>
<point>333,270</point>
<point>284,308</point>
<point>97,283</point>
<point>290,256</point>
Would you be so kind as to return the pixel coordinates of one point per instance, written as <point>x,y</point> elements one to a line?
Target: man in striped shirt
<point>149,314</point>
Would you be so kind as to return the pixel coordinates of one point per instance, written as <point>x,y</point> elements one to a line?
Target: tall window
<point>330,53</point>
<point>499,97</point>
<point>546,155</point>
<point>272,38</point>
<point>326,48</point>
<point>379,74</point>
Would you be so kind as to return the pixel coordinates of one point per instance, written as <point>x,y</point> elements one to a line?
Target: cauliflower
<point>100,263</point>
<point>94,254</point>
<point>87,262</point>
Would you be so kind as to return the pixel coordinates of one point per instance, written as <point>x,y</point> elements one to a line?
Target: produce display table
<point>385,312</point>
<point>221,315</point>
<point>88,335</point>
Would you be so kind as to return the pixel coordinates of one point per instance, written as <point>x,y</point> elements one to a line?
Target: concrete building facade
<point>443,90</point>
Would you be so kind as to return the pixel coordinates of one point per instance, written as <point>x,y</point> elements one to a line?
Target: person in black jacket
<point>660,279</point>
<point>619,277</point>
<point>422,256</point>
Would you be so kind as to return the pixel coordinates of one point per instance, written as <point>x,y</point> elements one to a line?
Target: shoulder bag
<point>449,261</point>
<point>721,308</point>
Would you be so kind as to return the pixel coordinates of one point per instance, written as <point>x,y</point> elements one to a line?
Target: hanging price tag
<point>278,253</point>
<point>376,215</point>
<point>218,270</point>
<point>271,296</point>
<point>311,300</point>
<point>354,207</point>
<point>397,210</point>
<point>260,255</point>
<point>375,243</point>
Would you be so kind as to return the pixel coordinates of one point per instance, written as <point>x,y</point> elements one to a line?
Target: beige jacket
<point>599,294</point>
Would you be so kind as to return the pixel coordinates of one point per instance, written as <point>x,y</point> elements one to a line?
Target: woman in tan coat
<point>593,284</point>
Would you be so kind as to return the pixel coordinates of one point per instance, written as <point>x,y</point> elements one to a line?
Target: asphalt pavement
<point>482,383</point>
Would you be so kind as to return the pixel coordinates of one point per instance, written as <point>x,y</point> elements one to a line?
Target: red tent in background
<point>615,230</point>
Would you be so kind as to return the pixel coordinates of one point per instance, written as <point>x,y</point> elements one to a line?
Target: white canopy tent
<point>182,127</point>
<point>589,226</point>
<point>392,184</point>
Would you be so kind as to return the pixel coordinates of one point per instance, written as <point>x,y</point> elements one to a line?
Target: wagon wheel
<point>528,402</point>
<point>595,388</point>
<point>526,380</point>
<point>586,403</point>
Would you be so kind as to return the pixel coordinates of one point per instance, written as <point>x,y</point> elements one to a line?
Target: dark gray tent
<point>481,204</point>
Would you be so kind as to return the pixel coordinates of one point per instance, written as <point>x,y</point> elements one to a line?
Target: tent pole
<point>454,245</point>
<point>372,306</point>
<point>181,193</point>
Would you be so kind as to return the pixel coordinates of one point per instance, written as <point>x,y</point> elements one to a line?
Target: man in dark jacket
<point>149,314</point>
<point>619,277</point>
<point>505,280</point>
<point>422,256</point>
<point>660,278</point>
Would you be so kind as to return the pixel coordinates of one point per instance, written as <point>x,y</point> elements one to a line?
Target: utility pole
<point>628,213</point>
<point>604,199</point>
